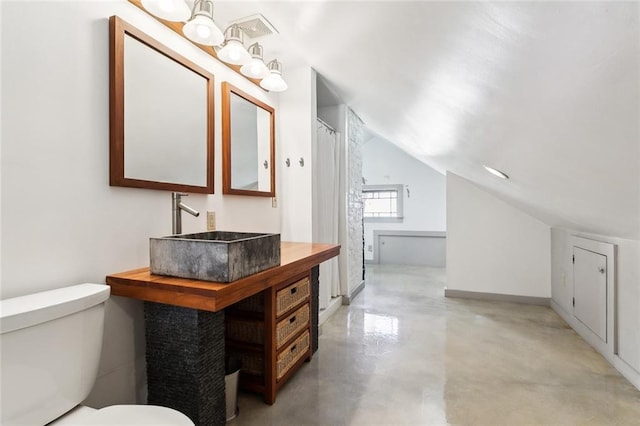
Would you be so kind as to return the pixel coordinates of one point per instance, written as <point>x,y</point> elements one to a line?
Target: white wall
<point>1,120</point>
<point>334,116</point>
<point>62,223</point>
<point>627,298</point>
<point>298,126</point>
<point>424,210</point>
<point>493,247</point>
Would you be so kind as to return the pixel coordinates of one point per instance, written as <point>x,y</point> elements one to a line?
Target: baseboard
<point>618,363</point>
<point>587,335</point>
<point>627,371</point>
<point>327,312</point>
<point>497,297</point>
<point>346,300</point>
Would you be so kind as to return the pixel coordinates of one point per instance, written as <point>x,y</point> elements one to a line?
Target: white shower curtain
<point>327,157</point>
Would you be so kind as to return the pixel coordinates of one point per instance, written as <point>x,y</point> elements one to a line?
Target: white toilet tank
<point>51,343</point>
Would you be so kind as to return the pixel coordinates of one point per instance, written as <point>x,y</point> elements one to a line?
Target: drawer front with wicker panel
<point>245,330</point>
<point>294,323</point>
<point>291,354</point>
<point>292,295</point>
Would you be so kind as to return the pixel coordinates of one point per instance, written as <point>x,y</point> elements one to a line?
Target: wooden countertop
<point>295,259</point>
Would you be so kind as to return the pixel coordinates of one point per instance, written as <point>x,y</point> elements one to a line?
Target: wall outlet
<point>211,221</point>
<point>370,248</point>
<point>274,202</point>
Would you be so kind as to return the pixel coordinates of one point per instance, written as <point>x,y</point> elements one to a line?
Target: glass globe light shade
<point>169,10</point>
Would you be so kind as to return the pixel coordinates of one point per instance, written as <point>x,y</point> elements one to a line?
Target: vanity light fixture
<point>496,172</point>
<point>169,10</point>
<point>201,28</point>
<point>256,67</point>
<point>274,81</point>
<point>233,51</point>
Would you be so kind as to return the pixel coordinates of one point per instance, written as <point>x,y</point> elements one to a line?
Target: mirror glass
<point>161,116</point>
<point>248,144</point>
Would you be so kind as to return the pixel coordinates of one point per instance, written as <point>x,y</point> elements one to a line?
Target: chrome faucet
<point>176,209</point>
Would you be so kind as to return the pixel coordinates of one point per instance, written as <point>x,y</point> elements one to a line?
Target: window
<point>382,203</point>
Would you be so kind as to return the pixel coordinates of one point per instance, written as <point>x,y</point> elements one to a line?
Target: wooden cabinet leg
<point>269,398</point>
<point>315,307</point>
<point>269,346</point>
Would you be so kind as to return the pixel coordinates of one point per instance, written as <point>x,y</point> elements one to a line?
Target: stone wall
<point>355,129</point>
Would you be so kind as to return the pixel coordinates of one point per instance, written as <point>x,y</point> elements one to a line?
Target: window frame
<point>399,189</point>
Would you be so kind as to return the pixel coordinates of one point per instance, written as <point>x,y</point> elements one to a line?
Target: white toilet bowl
<point>51,345</point>
<point>151,415</point>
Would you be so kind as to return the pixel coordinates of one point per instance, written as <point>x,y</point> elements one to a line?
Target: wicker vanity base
<point>186,353</point>
<point>185,327</point>
<point>272,333</point>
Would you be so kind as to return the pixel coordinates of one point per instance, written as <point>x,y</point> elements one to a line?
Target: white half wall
<point>493,247</point>
<point>62,223</point>
<point>424,205</point>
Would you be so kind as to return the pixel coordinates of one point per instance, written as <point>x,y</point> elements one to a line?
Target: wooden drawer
<point>241,330</point>
<point>292,295</point>
<point>292,354</point>
<point>292,324</point>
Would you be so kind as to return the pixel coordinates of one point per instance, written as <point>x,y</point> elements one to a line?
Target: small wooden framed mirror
<point>248,144</point>
<point>161,115</point>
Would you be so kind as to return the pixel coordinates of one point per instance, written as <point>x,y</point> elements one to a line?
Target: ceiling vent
<point>255,26</point>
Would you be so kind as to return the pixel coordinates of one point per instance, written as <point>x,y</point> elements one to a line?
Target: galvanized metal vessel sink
<point>214,256</point>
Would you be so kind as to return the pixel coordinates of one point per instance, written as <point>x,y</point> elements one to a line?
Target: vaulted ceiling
<point>548,92</point>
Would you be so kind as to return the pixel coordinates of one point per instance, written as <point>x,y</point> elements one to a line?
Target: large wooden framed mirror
<point>161,115</point>
<point>248,144</point>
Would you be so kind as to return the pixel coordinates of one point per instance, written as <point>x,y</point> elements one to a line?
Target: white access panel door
<point>590,290</point>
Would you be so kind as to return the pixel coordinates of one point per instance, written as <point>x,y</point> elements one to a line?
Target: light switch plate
<point>211,221</point>
<point>274,202</point>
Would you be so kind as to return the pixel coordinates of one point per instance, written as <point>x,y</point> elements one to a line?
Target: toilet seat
<point>129,415</point>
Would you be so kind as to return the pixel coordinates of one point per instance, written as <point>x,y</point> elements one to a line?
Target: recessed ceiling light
<point>496,172</point>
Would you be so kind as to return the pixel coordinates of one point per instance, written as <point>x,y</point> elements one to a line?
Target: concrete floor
<point>403,354</point>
